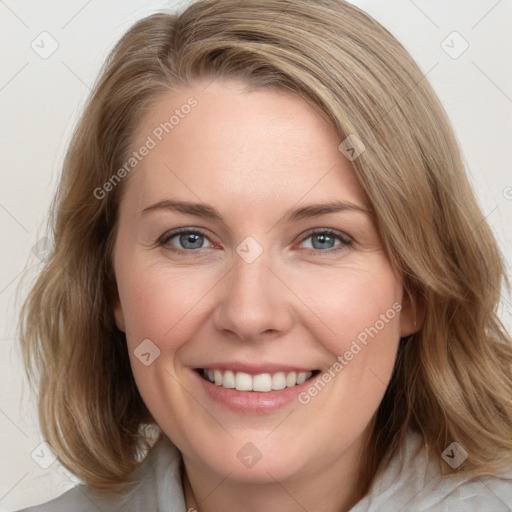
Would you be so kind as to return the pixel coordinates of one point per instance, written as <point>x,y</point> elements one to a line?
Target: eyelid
<point>345,240</point>
<point>163,241</point>
<point>330,231</point>
<point>174,232</point>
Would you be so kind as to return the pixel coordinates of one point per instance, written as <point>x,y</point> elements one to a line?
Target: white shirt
<point>417,486</point>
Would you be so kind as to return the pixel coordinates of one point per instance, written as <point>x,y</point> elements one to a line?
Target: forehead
<point>222,142</point>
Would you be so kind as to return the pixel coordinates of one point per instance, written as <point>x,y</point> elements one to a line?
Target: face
<point>246,255</point>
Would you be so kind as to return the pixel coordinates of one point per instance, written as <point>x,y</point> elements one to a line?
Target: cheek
<point>338,306</point>
<point>358,323</point>
<point>160,312</point>
<point>355,303</point>
<point>156,301</point>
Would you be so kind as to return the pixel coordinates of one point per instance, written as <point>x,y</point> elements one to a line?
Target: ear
<point>412,315</point>
<point>119,315</point>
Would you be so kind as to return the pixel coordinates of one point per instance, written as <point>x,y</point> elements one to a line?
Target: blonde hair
<point>452,380</point>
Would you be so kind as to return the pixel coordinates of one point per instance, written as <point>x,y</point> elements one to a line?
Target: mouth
<point>261,383</point>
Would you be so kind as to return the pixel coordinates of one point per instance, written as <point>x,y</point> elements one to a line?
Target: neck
<point>332,490</point>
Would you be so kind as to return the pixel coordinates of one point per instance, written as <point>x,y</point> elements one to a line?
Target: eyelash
<point>345,240</point>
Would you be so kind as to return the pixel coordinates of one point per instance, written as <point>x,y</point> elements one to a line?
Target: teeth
<point>278,380</point>
<point>228,381</point>
<point>301,377</point>
<point>264,382</point>
<point>243,382</point>
<point>261,382</point>
<point>291,379</point>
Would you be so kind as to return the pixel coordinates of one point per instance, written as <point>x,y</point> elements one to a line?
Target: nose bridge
<point>252,301</point>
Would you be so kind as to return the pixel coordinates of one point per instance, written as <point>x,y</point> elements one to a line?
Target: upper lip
<point>254,369</point>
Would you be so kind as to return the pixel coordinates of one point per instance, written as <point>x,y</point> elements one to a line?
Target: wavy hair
<point>452,380</point>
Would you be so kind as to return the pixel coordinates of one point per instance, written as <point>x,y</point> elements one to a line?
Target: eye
<point>324,240</point>
<point>184,240</point>
<point>187,241</point>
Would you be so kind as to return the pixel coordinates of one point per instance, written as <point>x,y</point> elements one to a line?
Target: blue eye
<point>187,241</point>
<point>325,240</point>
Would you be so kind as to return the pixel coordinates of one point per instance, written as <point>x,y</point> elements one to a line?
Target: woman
<point>267,249</point>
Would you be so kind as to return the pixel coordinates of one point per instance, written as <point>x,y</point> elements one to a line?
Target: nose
<point>253,303</point>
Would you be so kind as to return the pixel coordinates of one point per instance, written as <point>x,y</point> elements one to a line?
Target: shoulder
<point>158,488</point>
<point>77,499</point>
<point>412,481</point>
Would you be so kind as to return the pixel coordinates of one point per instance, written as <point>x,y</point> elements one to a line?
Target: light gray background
<point>40,100</point>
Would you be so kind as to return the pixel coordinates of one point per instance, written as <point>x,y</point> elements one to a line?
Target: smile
<point>263,382</point>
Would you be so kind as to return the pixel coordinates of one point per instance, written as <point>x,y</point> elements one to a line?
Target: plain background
<point>40,99</point>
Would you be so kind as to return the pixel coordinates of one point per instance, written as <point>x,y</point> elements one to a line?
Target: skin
<point>253,155</point>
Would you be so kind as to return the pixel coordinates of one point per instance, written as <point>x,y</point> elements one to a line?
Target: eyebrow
<point>209,212</point>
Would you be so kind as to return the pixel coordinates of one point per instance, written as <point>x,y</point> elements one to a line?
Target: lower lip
<point>252,401</point>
